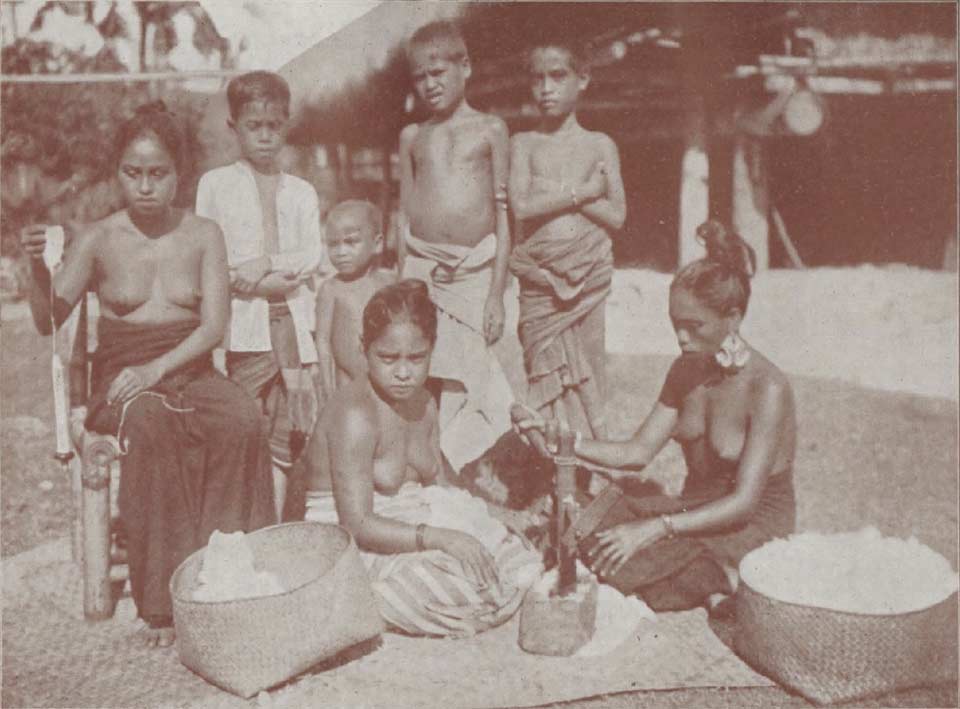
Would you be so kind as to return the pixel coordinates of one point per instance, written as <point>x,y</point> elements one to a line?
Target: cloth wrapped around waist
<point>565,277</point>
<point>429,593</point>
<point>458,276</point>
<point>124,344</point>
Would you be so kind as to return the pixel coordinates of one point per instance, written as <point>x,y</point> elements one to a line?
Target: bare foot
<point>153,637</point>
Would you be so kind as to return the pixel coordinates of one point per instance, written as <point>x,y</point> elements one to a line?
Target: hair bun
<point>147,109</point>
<point>413,286</point>
<point>726,248</point>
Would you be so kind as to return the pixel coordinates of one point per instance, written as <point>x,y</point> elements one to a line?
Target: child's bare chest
<point>446,148</point>
<point>563,160</point>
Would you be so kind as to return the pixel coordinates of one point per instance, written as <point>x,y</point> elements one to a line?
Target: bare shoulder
<point>409,134</point>
<point>353,410</point>
<point>494,124</point>
<point>206,231</point>
<point>327,288</point>
<point>770,385</point>
<point>601,141</point>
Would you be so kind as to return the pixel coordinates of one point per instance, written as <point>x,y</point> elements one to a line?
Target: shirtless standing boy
<point>456,238</point>
<point>354,241</point>
<point>566,190</point>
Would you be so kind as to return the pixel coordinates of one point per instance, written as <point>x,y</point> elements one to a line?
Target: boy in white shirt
<point>271,225</point>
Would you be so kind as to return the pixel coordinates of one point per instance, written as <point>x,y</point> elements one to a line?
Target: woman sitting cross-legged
<point>732,411</point>
<point>194,455</point>
<point>439,562</point>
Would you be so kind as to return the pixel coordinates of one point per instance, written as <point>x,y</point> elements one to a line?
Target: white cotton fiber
<point>228,572</point>
<point>457,509</point>
<point>618,617</point>
<point>857,572</point>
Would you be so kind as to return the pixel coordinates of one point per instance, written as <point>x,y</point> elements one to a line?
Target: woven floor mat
<point>52,658</point>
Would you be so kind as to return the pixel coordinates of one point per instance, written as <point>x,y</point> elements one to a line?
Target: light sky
<point>269,33</point>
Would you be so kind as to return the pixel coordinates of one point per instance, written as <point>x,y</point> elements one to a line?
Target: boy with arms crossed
<point>271,225</point>
<point>566,191</point>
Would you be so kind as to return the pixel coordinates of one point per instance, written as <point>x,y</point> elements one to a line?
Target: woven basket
<point>248,645</point>
<point>832,656</point>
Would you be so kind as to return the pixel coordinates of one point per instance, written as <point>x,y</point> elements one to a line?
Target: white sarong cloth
<point>480,382</point>
<point>429,593</point>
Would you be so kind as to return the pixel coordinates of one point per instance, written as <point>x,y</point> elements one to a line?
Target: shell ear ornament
<point>733,353</point>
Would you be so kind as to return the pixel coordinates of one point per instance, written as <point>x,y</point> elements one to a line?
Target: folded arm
<point>527,199</point>
<point>610,209</point>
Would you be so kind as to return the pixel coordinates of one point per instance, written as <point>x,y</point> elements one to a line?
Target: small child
<point>566,191</point>
<point>456,237</point>
<point>354,241</point>
<point>271,225</point>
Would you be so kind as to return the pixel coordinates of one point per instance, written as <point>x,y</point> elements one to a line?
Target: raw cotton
<point>228,572</point>
<point>857,572</point>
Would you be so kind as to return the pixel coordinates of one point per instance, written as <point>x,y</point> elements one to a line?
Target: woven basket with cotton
<point>838,617</point>
<point>318,603</point>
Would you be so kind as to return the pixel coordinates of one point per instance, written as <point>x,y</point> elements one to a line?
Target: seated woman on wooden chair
<point>194,457</point>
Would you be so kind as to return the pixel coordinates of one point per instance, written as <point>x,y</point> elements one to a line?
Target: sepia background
<point>824,133</point>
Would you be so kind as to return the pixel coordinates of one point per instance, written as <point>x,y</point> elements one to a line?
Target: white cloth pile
<point>228,572</point>
<point>857,572</point>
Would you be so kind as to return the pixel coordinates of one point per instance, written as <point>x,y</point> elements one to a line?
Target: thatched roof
<point>649,59</point>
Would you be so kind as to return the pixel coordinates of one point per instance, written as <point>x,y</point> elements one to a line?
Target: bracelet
<point>421,528</point>
<point>573,196</point>
<point>577,440</point>
<point>668,525</point>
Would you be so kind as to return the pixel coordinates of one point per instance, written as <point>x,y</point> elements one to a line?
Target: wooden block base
<point>558,625</point>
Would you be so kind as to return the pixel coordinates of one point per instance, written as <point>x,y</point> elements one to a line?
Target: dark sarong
<point>195,457</point>
<point>290,412</point>
<point>564,281</point>
<point>681,573</point>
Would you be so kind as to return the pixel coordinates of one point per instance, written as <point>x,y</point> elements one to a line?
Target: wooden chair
<point>95,471</point>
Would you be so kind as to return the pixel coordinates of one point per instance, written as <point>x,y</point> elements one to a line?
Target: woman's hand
<point>616,545</point>
<point>133,380</point>
<point>476,560</point>
<point>33,239</point>
<point>531,427</point>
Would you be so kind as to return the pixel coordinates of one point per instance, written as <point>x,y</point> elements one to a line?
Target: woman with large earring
<point>732,412</point>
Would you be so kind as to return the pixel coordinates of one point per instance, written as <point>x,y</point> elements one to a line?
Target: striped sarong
<point>429,593</point>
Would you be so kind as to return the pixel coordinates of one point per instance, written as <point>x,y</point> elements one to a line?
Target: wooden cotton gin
<point>559,614</point>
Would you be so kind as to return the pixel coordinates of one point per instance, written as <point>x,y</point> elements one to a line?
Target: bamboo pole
<point>108,78</point>
<point>781,230</point>
<point>98,455</point>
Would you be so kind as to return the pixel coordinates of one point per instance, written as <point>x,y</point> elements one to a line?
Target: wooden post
<point>565,511</point>
<point>694,188</point>
<point>98,455</point>
<point>750,197</point>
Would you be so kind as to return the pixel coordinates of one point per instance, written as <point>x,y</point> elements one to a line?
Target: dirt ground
<point>866,455</point>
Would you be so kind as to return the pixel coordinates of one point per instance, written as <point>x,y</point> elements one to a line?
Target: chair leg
<point>97,595</point>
